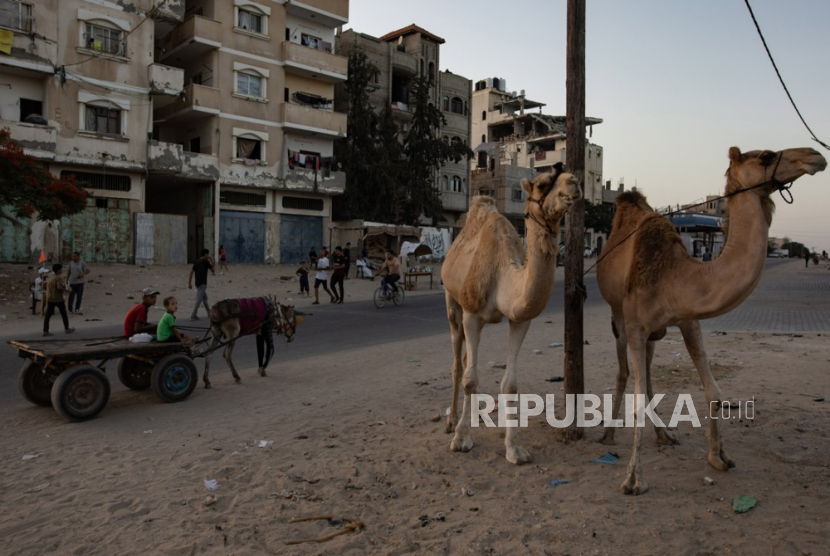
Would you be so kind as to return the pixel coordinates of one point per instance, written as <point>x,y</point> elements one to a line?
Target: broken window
<point>248,149</point>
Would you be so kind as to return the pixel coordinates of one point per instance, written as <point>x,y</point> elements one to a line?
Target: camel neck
<point>538,272</point>
<point>730,278</point>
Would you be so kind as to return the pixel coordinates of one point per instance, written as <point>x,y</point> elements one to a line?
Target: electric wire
<point>781,79</point>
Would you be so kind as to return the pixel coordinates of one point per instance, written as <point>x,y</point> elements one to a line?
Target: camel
<point>487,276</point>
<point>651,282</point>
<point>232,318</point>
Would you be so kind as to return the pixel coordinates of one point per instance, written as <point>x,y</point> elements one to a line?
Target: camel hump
<point>480,207</point>
<point>632,198</point>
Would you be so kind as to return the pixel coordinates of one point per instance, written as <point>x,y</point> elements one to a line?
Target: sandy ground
<point>361,440</point>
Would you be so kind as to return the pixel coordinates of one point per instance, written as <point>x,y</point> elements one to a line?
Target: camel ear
<point>527,186</point>
<point>735,154</point>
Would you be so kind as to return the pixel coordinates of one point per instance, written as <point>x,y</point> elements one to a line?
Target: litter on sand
<point>31,456</point>
<point>743,504</point>
<point>264,443</point>
<point>608,458</point>
<point>211,484</point>
<point>555,483</point>
<point>555,379</point>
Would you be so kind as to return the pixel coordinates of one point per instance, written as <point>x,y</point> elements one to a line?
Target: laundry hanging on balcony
<point>314,101</point>
<point>323,164</point>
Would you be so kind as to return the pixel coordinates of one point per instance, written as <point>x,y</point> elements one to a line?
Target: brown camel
<point>651,282</point>
<point>263,316</point>
<point>487,275</point>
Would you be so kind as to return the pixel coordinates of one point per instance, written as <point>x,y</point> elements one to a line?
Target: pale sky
<point>675,82</point>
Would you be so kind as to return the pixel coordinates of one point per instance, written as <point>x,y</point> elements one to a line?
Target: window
<point>517,194</point>
<point>457,105</point>
<point>484,114</point>
<point>108,182</point>
<point>104,39</point>
<point>456,184</point>
<point>16,15</point>
<point>31,108</point>
<point>445,103</point>
<point>251,21</point>
<point>445,183</point>
<point>248,149</point>
<point>195,145</point>
<point>249,85</point>
<point>103,119</point>
<point>315,42</point>
<point>300,203</point>
<point>483,138</point>
<point>242,198</point>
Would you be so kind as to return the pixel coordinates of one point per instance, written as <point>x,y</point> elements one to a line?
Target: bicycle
<point>384,293</point>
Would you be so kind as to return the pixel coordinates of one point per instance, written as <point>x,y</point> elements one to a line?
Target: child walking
<point>222,259</point>
<point>302,272</point>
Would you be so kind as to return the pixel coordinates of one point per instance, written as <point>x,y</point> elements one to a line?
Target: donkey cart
<point>59,372</point>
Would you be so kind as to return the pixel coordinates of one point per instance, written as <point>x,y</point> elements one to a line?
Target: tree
<point>426,152</point>
<point>599,217</point>
<point>358,152</point>
<point>26,187</point>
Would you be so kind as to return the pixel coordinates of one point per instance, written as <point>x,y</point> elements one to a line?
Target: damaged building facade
<point>191,123</point>
<point>516,140</point>
<point>399,58</point>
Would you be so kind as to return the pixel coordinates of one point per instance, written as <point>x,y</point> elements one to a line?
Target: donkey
<point>263,316</point>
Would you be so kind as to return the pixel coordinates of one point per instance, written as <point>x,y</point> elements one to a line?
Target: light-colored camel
<point>651,282</point>
<point>487,275</point>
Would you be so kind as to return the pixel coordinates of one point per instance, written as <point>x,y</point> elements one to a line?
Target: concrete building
<point>400,57</point>
<point>514,142</point>
<point>192,123</point>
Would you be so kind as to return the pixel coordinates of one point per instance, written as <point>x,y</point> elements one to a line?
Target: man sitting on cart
<point>137,319</point>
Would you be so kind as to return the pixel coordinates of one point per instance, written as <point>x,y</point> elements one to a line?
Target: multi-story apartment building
<point>192,123</point>
<point>514,143</point>
<point>400,57</point>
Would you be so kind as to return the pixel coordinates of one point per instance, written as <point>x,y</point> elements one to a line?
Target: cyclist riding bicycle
<point>393,269</point>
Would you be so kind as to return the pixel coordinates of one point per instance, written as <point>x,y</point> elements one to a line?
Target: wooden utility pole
<point>575,221</point>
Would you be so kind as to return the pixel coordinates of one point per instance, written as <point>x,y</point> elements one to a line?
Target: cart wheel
<point>35,384</point>
<point>174,377</point>
<point>135,374</point>
<point>80,393</point>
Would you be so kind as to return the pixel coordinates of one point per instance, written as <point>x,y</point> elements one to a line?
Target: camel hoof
<point>721,463</point>
<point>449,428</point>
<point>461,444</point>
<point>608,439</point>
<point>207,385</point>
<point>237,379</point>
<point>666,439</point>
<point>518,455</point>
<point>633,486</point>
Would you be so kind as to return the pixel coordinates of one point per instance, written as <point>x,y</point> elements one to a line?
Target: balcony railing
<point>193,38</point>
<point>311,62</point>
<point>166,80</point>
<point>311,120</point>
<point>39,141</point>
<point>199,102</point>
<point>171,158</point>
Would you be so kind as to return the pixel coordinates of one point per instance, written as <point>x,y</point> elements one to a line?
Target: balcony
<point>456,123</point>
<point>39,141</point>
<point>199,102</point>
<point>316,64</point>
<point>192,39</point>
<point>312,121</point>
<point>543,159</point>
<point>404,62</point>
<point>303,180</point>
<point>454,201</point>
<point>172,159</point>
<point>165,80</point>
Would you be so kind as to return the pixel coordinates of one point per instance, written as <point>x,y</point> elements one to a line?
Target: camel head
<point>767,171</point>
<point>550,196</point>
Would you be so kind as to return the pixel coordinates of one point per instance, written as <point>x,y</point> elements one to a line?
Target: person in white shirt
<point>321,277</point>
<point>37,291</point>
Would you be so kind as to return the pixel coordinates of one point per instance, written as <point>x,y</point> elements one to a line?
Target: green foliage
<point>387,181</point>
<point>426,152</point>
<point>599,217</point>
<point>795,249</point>
<point>27,187</point>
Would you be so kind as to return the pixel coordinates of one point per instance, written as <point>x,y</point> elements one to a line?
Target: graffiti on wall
<point>437,239</point>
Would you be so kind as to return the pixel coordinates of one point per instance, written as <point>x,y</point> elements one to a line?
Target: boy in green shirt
<point>166,330</point>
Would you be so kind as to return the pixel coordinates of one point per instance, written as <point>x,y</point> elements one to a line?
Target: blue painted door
<point>243,235</point>
<point>298,234</point>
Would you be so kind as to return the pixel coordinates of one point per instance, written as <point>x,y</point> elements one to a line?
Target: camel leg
<point>454,315</point>
<point>694,344</point>
<point>462,441</point>
<point>634,482</point>
<point>227,355</point>
<point>663,437</point>
<point>618,326</point>
<point>509,385</point>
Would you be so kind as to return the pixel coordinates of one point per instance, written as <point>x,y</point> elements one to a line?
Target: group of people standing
<point>339,266</point>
